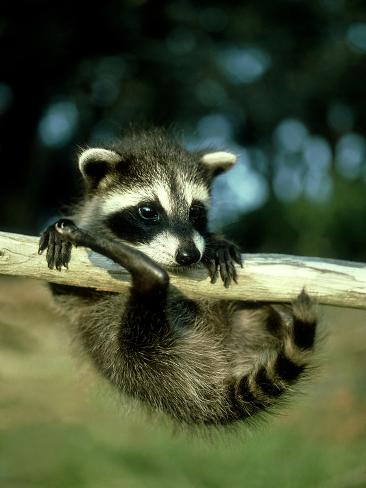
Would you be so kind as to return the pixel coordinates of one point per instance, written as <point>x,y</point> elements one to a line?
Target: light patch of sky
<point>318,185</point>
<point>287,181</point>
<point>260,159</point>
<point>238,190</point>
<point>302,163</point>
<point>356,36</point>
<point>58,124</point>
<point>350,155</point>
<point>290,134</point>
<point>244,65</point>
<point>317,153</point>
<point>317,182</point>
<point>215,129</point>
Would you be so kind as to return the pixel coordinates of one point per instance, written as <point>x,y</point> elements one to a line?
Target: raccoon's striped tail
<point>262,387</point>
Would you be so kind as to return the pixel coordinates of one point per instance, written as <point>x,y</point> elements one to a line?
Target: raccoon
<point>200,362</point>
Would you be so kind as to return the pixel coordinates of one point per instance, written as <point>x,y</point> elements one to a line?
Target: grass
<point>61,425</point>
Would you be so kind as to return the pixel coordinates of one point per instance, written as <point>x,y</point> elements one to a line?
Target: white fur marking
<point>115,202</point>
<point>199,242</point>
<point>219,159</point>
<point>194,191</point>
<point>162,249</point>
<point>164,196</point>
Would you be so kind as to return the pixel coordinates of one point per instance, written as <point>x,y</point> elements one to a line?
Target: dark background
<point>280,83</point>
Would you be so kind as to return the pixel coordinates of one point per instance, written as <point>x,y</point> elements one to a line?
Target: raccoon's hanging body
<point>201,362</point>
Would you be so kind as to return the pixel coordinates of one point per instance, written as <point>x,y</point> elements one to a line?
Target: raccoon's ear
<point>218,162</point>
<point>95,163</point>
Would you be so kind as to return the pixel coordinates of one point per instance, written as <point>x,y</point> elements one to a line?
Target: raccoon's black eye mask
<point>137,224</point>
<point>198,216</point>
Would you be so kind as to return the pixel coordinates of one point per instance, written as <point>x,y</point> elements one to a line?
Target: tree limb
<point>264,277</point>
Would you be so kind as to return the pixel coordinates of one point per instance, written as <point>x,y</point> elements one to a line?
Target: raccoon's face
<point>153,198</point>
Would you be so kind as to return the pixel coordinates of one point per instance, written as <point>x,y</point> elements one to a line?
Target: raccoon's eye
<point>149,214</point>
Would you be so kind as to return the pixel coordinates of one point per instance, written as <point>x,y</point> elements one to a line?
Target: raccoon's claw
<point>43,241</point>
<point>219,258</point>
<point>72,234</point>
<point>66,228</point>
<point>58,253</point>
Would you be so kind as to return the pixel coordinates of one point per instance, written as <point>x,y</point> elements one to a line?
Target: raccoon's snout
<point>187,255</point>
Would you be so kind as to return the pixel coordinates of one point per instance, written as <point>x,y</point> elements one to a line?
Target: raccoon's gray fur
<point>201,362</point>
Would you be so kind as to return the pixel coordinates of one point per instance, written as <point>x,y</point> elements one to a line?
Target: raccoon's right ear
<point>217,162</point>
<point>95,163</point>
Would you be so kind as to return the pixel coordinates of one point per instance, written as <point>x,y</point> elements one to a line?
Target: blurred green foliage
<point>280,83</point>
<point>74,456</point>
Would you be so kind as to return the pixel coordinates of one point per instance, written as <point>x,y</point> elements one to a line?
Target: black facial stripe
<point>128,225</point>
<point>198,216</point>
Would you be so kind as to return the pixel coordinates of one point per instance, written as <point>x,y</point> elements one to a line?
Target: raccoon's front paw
<point>219,257</point>
<point>57,244</point>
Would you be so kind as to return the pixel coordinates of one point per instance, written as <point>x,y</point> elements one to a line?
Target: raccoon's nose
<point>187,256</point>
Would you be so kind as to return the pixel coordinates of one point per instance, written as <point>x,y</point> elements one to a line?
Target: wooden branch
<point>264,277</point>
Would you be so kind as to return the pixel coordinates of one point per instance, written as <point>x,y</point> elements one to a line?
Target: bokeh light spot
<point>58,124</point>
<point>244,65</point>
<point>356,36</point>
<point>241,189</point>
<point>350,155</point>
<point>6,97</point>
<point>290,134</point>
<point>317,153</point>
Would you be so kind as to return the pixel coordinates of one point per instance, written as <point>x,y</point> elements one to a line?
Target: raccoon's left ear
<point>218,162</point>
<point>95,163</point>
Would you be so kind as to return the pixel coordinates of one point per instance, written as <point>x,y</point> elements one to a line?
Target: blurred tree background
<point>280,83</point>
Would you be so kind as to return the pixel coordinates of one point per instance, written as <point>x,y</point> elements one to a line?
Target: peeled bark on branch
<point>264,277</point>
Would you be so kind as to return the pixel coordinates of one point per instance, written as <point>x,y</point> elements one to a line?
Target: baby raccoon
<point>200,362</point>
